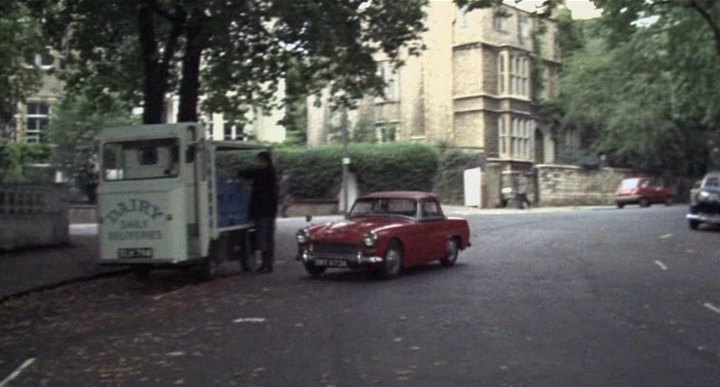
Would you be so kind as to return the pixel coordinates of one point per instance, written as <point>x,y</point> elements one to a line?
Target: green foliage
<point>538,67</point>
<point>15,159</point>
<point>74,126</point>
<point>20,41</point>
<point>245,47</point>
<point>646,101</point>
<point>626,17</point>
<point>394,166</point>
<point>364,131</point>
<point>317,172</point>
<point>295,120</point>
<point>570,34</point>
<point>449,184</point>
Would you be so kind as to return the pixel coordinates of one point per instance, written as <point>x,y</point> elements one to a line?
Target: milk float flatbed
<point>169,198</point>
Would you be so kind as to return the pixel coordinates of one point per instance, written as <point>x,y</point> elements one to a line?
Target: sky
<point>581,9</point>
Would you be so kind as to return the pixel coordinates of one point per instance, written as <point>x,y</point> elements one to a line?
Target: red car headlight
<point>369,239</point>
<point>302,236</point>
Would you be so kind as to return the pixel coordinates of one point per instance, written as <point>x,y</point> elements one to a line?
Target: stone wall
<point>564,185</point>
<point>33,215</point>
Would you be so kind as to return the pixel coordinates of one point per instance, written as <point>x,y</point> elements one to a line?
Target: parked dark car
<point>643,191</point>
<point>705,205</point>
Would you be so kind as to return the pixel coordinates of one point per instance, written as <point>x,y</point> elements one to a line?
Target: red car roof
<point>413,195</point>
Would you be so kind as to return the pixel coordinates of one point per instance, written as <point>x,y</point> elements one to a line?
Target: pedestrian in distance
<point>521,196</point>
<point>285,193</point>
<point>263,208</point>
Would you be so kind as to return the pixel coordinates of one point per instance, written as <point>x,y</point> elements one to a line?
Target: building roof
<point>413,195</point>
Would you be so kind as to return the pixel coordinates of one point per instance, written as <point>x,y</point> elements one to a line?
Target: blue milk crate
<point>233,200</point>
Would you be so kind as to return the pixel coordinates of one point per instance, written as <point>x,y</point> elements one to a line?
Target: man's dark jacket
<point>264,197</point>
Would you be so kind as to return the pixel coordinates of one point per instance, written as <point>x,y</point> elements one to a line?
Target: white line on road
<point>252,320</point>
<point>707,305</point>
<point>27,363</point>
<point>662,265</point>
<point>170,293</point>
<point>666,236</point>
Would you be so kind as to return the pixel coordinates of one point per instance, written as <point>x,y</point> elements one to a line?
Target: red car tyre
<point>393,260</point>
<point>453,248</point>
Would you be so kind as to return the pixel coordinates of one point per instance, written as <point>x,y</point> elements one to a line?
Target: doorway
<point>539,147</point>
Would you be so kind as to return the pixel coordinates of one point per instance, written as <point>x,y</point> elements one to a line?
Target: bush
<point>395,166</point>
<point>453,162</point>
<point>15,158</point>
<point>317,172</point>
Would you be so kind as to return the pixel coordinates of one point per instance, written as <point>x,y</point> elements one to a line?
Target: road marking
<point>662,265</point>
<point>247,320</point>
<point>170,293</point>
<point>666,236</point>
<point>707,305</point>
<point>27,363</point>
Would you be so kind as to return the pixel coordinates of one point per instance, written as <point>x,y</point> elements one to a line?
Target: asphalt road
<point>592,298</point>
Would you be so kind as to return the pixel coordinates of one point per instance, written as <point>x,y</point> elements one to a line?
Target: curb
<point>57,284</point>
<point>460,210</point>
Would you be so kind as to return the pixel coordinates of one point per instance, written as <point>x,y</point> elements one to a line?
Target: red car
<point>643,191</point>
<point>385,232</point>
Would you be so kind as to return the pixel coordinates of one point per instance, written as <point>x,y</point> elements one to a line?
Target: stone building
<point>33,117</point>
<point>471,88</point>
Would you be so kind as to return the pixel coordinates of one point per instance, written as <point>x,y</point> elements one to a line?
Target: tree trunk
<point>190,82</point>
<point>153,86</point>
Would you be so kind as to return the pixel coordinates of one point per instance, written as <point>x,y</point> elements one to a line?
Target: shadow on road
<point>709,228</point>
<point>370,277</point>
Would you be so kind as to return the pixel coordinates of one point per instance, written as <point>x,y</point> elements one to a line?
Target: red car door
<point>660,193</point>
<point>433,227</point>
<point>644,189</point>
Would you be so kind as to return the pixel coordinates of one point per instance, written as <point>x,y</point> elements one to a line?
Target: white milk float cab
<point>170,198</point>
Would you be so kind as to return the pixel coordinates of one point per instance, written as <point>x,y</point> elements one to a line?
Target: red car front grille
<point>336,250</point>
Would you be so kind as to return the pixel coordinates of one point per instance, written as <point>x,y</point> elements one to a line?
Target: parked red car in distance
<point>385,232</point>
<point>643,191</point>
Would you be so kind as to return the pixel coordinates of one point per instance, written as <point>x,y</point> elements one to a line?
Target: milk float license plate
<point>331,263</point>
<point>135,253</point>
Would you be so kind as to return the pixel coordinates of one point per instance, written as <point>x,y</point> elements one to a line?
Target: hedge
<point>317,172</point>
<point>453,162</point>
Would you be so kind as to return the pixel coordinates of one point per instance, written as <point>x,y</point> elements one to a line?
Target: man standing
<point>285,193</point>
<point>263,208</point>
<point>522,186</point>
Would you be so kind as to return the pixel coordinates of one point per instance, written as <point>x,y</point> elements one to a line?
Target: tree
<point>15,160</point>
<point>627,16</point>
<point>75,124</point>
<point>647,101</point>
<point>232,53</point>
<point>364,130</point>
<point>19,40</point>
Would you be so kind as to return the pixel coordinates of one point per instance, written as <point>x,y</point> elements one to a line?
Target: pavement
<point>25,270</point>
<point>572,298</point>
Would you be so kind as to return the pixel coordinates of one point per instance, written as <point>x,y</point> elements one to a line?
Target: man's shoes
<point>264,270</point>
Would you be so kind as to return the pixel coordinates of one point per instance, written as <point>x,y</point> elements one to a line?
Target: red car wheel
<point>451,254</point>
<point>393,261</point>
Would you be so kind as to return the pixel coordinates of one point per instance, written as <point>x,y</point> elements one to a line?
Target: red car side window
<point>430,209</point>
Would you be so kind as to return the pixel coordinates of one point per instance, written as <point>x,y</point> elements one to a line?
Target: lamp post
<point>345,159</point>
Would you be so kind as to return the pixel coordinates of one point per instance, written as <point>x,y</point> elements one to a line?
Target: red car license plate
<point>331,263</point>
